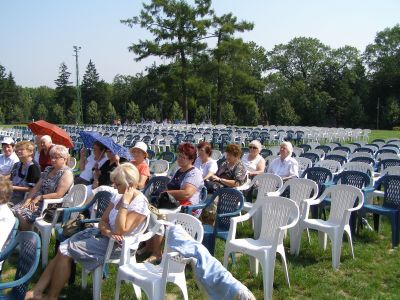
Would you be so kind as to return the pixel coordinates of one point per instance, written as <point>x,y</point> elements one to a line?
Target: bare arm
<point>142,181</point>
<point>260,168</point>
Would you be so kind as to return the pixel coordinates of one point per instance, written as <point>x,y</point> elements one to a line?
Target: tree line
<point>210,74</point>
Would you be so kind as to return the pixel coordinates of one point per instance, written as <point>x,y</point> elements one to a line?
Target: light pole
<point>79,113</point>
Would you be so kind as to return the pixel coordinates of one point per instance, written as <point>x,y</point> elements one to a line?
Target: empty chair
<point>367,160</point>
<point>168,156</point>
<point>382,156</point>
<point>332,165</point>
<point>385,163</point>
<point>155,186</point>
<point>338,152</point>
<point>364,149</point>
<point>339,158</point>
<point>391,204</point>
<point>324,148</point>
<point>314,157</point>
<point>278,214</point>
<point>153,279</point>
<point>343,148</point>
<point>359,166</point>
<point>343,198</point>
<point>159,167</point>
<point>304,164</point>
<point>27,245</point>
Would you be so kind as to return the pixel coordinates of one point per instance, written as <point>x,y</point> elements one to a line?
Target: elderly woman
<point>102,175</point>
<point>185,186</point>
<point>95,160</point>
<point>231,173</point>
<point>253,161</point>
<point>125,216</point>
<point>204,162</point>
<point>25,173</point>
<point>8,158</point>
<point>285,165</point>
<point>44,156</point>
<point>139,153</point>
<point>55,182</point>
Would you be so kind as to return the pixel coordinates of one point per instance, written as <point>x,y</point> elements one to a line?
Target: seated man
<point>285,165</point>
<point>8,158</point>
<point>44,157</point>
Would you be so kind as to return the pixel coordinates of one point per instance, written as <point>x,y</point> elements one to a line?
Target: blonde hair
<point>25,145</point>
<point>126,174</point>
<point>6,190</point>
<point>256,144</point>
<point>59,150</point>
<point>289,146</point>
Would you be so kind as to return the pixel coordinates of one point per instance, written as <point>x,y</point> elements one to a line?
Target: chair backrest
<point>304,164</point>
<point>276,212</point>
<point>333,165</point>
<point>300,189</point>
<point>391,187</point>
<point>391,171</point>
<point>367,160</point>
<point>343,197</point>
<point>358,166</point>
<point>159,167</point>
<point>382,156</point>
<point>28,243</point>
<point>216,154</point>
<point>339,152</point>
<point>230,203</point>
<point>76,196</point>
<point>339,158</point>
<point>102,200</point>
<point>266,183</point>
<point>193,227</point>
<point>353,178</point>
<point>385,163</point>
<point>72,162</point>
<point>364,149</point>
<point>319,175</point>
<point>314,157</point>
<point>155,186</point>
<point>168,156</point>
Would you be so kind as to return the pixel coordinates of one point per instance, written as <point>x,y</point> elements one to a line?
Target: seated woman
<point>95,160</point>
<point>253,161</point>
<point>185,186</point>
<point>124,216</point>
<point>25,173</point>
<point>285,165</point>
<point>55,182</point>
<point>204,162</point>
<point>231,173</point>
<point>101,175</point>
<point>139,153</point>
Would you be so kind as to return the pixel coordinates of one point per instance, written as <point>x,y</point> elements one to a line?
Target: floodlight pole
<point>79,113</point>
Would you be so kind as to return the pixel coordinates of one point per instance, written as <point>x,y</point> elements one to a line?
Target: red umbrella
<point>58,135</point>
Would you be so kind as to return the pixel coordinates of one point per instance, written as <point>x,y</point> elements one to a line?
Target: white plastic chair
<point>75,197</point>
<point>159,167</point>
<point>129,245</point>
<point>278,214</point>
<point>304,164</point>
<point>301,190</point>
<point>153,278</point>
<point>343,198</point>
<point>72,163</point>
<point>332,165</point>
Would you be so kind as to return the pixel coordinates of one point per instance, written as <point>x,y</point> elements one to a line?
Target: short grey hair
<point>289,146</point>
<point>59,150</point>
<point>46,138</point>
<point>126,174</point>
<point>256,144</point>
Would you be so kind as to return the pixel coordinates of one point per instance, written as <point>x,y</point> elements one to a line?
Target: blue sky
<point>37,36</point>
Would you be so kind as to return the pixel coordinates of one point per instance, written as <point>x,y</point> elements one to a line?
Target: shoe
<point>142,251</point>
<point>153,260</point>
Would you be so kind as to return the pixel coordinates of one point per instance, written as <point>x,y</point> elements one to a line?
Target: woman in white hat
<point>139,153</point>
<point>9,157</point>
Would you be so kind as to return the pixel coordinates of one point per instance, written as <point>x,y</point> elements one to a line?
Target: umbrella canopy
<point>59,136</point>
<point>89,137</point>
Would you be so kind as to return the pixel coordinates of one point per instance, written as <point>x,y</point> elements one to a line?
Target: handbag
<point>166,200</point>
<point>49,213</point>
<point>75,225</point>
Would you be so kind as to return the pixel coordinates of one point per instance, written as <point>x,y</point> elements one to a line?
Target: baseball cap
<point>7,140</point>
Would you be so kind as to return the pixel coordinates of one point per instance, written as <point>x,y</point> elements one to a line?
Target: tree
<point>176,112</point>
<point>72,112</point>
<point>42,111</point>
<point>178,29</point>
<point>152,113</point>
<point>285,114</point>
<point>201,114</point>
<point>65,94</point>
<point>58,115</point>
<point>110,114</point>
<point>133,112</point>
<point>229,116</point>
<point>93,114</point>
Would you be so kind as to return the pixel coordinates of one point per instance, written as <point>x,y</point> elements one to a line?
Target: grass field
<point>373,274</point>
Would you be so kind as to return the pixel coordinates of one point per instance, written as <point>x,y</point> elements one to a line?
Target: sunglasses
<point>253,147</point>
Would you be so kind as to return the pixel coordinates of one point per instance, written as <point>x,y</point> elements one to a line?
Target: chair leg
<point>350,241</point>
<point>137,290</point>
<point>395,230</point>
<point>285,267</point>
<point>376,221</point>
<point>45,249</point>
<point>322,238</point>
<point>117,287</point>
<point>268,266</point>
<point>97,278</point>
<point>336,249</point>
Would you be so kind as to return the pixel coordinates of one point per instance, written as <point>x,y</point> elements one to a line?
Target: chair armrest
<point>232,214</point>
<point>328,184</point>
<point>315,201</point>
<point>46,202</point>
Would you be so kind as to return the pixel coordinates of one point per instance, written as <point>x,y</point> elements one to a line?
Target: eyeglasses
<point>181,156</point>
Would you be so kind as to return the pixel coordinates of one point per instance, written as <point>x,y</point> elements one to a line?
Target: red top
<point>44,159</point>
<point>143,168</point>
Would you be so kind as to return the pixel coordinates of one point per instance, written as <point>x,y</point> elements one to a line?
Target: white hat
<point>140,145</point>
<point>7,140</point>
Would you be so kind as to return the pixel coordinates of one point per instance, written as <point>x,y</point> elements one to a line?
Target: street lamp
<point>79,113</point>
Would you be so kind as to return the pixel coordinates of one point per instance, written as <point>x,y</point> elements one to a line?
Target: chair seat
<point>166,211</point>
<point>380,209</point>
<point>319,224</point>
<point>143,271</point>
<point>250,244</point>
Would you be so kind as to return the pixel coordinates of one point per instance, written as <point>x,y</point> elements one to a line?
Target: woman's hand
<point>27,202</point>
<point>32,203</point>
<point>128,195</point>
<point>214,178</point>
<point>117,237</point>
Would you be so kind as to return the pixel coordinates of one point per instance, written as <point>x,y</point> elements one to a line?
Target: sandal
<point>142,251</point>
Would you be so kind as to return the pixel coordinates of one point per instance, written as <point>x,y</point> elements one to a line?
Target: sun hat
<point>140,145</point>
<point>7,140</point>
